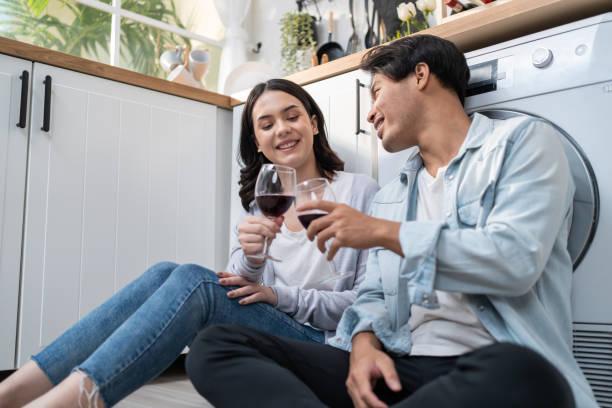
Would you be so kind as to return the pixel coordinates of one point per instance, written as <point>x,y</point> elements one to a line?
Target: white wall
<point>262,24</point>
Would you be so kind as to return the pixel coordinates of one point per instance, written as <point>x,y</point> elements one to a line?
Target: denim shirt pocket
<point>474,213</point>
<point>468,213</point>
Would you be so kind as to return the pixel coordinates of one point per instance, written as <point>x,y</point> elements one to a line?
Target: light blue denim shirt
<point>508,208</point>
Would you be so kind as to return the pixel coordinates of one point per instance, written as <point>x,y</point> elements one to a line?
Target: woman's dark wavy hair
<point>251,160</point>
<point>399,58</point>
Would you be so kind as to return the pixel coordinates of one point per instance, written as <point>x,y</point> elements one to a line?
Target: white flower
<point>426,6</point>
<point>406,11</point>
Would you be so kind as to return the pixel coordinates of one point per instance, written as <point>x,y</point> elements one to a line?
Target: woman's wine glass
<point>310,190</point>
<point>274,194</point>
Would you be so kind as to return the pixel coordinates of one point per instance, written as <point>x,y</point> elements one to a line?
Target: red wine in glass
<point>311,190</point>
<point>306,219</point>
<point>274,194</point>
<point>274,205</point>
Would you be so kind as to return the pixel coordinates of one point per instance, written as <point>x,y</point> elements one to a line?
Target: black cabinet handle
<point>358,128</point>
<point>23,110</point>
<point>47,110</point>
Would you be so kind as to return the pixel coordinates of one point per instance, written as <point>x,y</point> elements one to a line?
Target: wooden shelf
<point>85,66</point>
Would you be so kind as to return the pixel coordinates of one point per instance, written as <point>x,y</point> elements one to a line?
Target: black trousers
<point>234,366</point>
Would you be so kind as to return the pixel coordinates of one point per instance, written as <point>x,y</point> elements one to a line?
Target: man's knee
<point>209,348</point>
<point>529,376</point>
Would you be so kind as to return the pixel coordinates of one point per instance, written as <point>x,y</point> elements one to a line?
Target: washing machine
<point>562,75</point>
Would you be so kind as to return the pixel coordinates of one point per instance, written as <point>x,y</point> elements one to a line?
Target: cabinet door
<point>345,103</point>
<point>13,148</point>
<point>124,178</point>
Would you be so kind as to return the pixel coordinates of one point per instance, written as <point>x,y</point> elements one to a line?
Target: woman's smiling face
<point>283,130</point>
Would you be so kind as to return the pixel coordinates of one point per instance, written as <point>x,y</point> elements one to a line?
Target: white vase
<point>303,59</point>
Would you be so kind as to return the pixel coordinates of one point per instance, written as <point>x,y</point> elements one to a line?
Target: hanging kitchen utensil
<point>332,49</point>
<point>318,11</point>
<point>370,37</point>
<point>354,43</point>
<point>376,27</point>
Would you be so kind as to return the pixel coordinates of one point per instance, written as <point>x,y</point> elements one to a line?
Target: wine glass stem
<point>332,267</point>
<point>266,247</point>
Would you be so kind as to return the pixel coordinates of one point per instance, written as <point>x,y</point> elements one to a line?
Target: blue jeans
<point>137,333</point>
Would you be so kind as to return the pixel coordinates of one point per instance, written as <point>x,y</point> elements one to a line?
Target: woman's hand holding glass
<point>252,234</point>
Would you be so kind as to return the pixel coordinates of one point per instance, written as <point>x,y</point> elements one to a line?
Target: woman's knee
<point>160,271</point>
<point>193,272</point>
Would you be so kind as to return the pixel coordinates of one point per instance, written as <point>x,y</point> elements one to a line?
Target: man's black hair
<point>398,59</point>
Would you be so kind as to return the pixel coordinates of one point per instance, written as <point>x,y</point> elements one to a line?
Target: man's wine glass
<point>310,190</point>
<point>274,194</point>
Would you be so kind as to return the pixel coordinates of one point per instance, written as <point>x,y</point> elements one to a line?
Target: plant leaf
<point>38,6</point>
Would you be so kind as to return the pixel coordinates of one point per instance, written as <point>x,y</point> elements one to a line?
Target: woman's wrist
<point>254,263</point>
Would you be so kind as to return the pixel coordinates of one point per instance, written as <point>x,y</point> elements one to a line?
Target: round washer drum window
<point>586,197</point>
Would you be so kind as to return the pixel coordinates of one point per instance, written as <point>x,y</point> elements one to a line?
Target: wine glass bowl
<point>274,195</point>
<point>312,190</point>
<point>274,205</point>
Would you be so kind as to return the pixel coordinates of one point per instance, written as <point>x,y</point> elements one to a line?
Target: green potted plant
<point>298,41</point>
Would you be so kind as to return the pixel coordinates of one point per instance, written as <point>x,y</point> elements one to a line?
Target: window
<point>130,34</point>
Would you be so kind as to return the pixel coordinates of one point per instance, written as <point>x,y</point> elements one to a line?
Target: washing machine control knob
<point>541,57</point>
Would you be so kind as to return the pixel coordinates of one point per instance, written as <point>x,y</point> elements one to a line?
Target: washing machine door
<point>586,197</point>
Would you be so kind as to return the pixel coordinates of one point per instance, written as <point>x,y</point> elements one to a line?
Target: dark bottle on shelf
<point>458,6</point>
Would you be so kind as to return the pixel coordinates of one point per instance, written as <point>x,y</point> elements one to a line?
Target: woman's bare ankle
<point>78,390</point>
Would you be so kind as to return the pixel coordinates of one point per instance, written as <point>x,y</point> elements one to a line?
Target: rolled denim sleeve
<point>419,242</point>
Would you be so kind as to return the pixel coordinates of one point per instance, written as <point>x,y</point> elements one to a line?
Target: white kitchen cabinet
<point>345,101</point>
<point>13,155</point>
<point>124,177</point>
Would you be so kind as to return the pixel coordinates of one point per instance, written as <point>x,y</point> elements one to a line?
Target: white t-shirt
<point>307,267</point>
<point>453,328</point>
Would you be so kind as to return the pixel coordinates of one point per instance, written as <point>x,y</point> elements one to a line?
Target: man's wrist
<point>365,339</point>
<point>387,236</point>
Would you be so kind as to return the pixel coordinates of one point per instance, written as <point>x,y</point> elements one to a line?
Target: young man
<point>466,296</point>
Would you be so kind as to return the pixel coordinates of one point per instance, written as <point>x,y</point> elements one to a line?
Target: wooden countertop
<point>474,29</point>
<point>62,60</point>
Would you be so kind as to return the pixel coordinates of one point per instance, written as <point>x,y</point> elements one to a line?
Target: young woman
<point>142,329</point>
